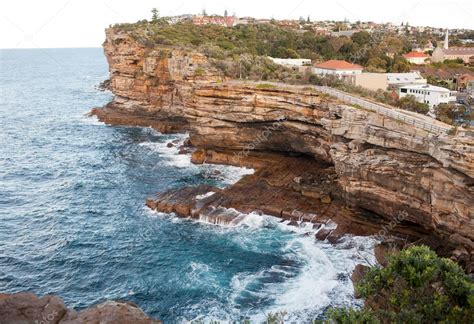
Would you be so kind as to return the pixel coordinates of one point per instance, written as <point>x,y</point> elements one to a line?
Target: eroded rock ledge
<point>305,146</point>
<point>27,308</point>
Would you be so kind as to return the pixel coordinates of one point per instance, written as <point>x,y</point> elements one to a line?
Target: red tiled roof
<point>415,54</point>
<point>338,65</point>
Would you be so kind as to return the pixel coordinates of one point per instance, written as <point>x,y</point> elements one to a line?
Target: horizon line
<point>46,48</point>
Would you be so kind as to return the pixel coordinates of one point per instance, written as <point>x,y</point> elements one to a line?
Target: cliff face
<point>395,171</point>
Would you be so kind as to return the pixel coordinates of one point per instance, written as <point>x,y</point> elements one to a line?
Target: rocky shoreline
<point>26,308</point>
<point>344,169</point>
<point>316,159</point>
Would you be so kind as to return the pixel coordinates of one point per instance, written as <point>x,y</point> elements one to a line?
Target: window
<point>403,90</point>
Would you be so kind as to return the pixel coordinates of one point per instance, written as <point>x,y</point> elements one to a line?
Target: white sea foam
<point>154,213</point>
<point>170,155</point>
<point>318,279</point>
<point>308,291</point>
<point>232,218</point>
<point>198,270</point>
<point>225,175</point>
<point>256,220</point>
<point>150,130</point>
<point>207,194</point>
<point>90,120</point>
<point>322,281</point>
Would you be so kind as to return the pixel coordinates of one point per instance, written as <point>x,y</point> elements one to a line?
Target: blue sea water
<point>73,220</point>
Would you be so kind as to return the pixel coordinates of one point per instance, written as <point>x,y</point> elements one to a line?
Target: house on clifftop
<point>428,94</point>
<point>416,57</point>
<point>338,68</point>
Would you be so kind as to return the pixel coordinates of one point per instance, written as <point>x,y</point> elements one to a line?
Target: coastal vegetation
<point>416,286</point>
<point>273,40</point>
<point>452,114</point>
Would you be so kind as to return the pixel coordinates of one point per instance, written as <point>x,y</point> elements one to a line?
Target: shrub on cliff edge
<point>416,286</point>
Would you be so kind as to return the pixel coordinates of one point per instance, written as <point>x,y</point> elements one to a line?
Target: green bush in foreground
<point>416,286</point>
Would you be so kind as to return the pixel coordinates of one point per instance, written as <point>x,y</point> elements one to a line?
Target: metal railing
<point>391,112</point>
<point>420,122</point>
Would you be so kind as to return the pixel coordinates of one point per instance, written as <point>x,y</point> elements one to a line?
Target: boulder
<point>110,312</point>
<point>26,307</point>
<point>358,274</point>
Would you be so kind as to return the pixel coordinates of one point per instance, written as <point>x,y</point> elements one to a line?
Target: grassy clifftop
<point>257,39</point>
<point>271,39</point>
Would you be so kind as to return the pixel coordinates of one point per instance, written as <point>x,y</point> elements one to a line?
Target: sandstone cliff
<point>376,170</point>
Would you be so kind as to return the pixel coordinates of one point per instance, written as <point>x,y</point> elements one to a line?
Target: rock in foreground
<point>26,308</point>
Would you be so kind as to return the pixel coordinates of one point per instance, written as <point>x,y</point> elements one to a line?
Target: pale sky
<point>81,23</point>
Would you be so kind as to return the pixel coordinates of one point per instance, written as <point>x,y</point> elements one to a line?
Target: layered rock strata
<point>382,171</point>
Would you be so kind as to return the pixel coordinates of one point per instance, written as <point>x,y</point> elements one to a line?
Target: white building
<point>427,93</point>
<point>396,80</point>
<point>337,67</point>
<point>291,62</point>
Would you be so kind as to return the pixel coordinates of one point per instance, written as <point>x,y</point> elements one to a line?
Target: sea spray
<point>315,275</point>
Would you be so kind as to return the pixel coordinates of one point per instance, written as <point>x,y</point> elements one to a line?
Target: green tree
<point>155,15</point>
<point>451,113</point>
<point>361,38</point>
<point>398,65</point>
<point>416,286</point>
<point>410,103</point>
<point>376,64</point>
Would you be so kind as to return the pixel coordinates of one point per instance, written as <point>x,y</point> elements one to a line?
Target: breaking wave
<point>312,277</point>
<point>169,151</point>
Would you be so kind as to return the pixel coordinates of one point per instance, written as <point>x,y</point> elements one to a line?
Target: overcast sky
<point>81,23</point>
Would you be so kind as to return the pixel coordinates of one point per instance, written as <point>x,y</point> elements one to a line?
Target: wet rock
<point>358,274</point>
<point>183,201</point>
<point>334,237</point>
<point>322,234</point>
<point>293,223</point>
<point>104,85</point>
<point>326,199</point>
<point>169,145</point>
<point>109,312</point>
<point>28,308</point>
<point>198,157</point>
<point>184,151</point>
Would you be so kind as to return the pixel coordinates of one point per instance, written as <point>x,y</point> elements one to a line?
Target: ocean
<point>73,220</point>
